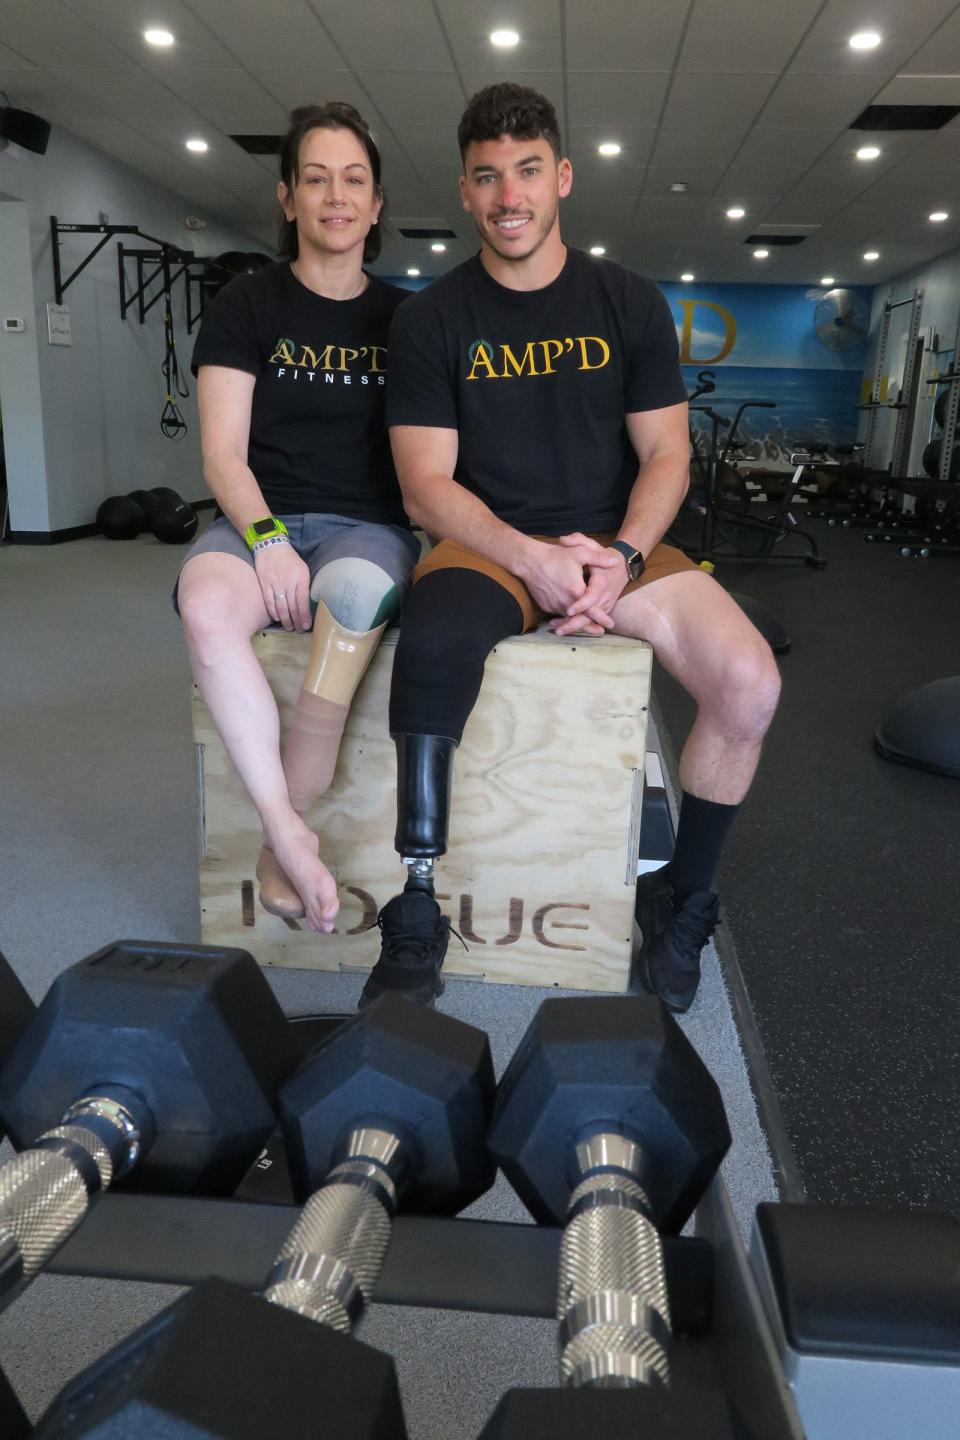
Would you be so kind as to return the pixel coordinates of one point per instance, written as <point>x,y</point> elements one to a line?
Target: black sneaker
<point>415,937</point>
<point>668,963</point>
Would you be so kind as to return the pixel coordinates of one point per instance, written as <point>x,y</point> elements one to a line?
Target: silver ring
<point>280,594</point>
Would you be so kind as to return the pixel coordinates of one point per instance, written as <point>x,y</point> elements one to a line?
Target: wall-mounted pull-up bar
<point>162,260</point>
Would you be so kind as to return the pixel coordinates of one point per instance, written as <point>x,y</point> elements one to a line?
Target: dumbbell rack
<point>491,1267</point>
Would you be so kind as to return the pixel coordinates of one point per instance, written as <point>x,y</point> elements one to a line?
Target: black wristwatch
<point>635,561</point>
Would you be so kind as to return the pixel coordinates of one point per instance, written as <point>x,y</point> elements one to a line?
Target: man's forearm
<point>656,497</point>
<point>446,510</point>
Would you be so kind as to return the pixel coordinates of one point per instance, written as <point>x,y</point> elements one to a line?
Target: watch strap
<point>264,529</point>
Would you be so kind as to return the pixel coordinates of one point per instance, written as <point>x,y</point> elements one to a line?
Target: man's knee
<point>749,688</point>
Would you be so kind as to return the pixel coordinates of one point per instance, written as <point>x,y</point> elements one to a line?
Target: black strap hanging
<point>172,422</point>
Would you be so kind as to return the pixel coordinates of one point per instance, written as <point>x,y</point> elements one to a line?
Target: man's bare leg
<point>222,608</point>
<point>705,641</point>
<point>702,637</point>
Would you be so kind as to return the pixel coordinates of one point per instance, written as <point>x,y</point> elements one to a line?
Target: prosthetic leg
<point>353,601</point>
<point>415,934</point>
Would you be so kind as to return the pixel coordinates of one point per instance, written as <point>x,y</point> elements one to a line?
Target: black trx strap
<point>172,422</point>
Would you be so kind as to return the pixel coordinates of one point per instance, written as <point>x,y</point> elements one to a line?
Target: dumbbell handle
<point>612,1300</point>
<point>331,1260</point>
<point>47,1189</point>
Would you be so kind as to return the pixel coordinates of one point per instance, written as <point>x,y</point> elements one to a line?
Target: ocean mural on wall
<point>780,343</point>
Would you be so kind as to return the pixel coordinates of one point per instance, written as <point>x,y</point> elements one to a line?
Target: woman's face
<point>333,200</point>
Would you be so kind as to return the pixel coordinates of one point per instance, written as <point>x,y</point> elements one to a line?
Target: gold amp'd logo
<point>539,357</point>
<point>334,363</point>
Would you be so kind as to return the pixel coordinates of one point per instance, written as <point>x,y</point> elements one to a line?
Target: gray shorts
<point>318,539</point>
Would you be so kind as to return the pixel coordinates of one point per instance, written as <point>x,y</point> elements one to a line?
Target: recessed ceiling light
<point>598,249</point>
<point>413,270</point>
<point>736,213</point>
<point>828,280</point>
<point>504,39</point>
<point>871,254</point>
<point>868,152</point>
<point>937,215</point>
<point>760,254</point>
<point>687,276</point>
<point>864,40</point>
<point>199,147</point>
<point>158,37</point>
<point>609,147</point>
<point>438,247</point>
<point>679,187</point>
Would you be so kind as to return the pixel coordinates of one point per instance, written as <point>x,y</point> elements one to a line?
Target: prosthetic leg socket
<point>424,773</point>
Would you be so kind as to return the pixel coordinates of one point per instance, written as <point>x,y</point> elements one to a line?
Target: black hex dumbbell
<point>393,1105</point>
<point>221,1364</point>
<point>607,1121</point>
<point>391,1108</point>
<point>157,1061</point>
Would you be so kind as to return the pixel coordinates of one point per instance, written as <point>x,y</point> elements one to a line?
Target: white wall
<point>101,397</point>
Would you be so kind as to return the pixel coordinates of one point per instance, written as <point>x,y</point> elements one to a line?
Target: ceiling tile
<point>920,90</point>
<point>742,35</point>
<point>51,35</point>
<point>904,28</point>
<point>716,102</point>
<point>537,22</point>
<point>624,36</point>
<point>123,93</point>
<point>406,98</point>
<point>799,100</point>
<point>284,33</point>
<point>122,23</point>
<point>619,98</point>
<point>374,36</point>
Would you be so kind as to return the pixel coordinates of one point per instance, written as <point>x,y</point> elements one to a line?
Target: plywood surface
<point>547,790</point>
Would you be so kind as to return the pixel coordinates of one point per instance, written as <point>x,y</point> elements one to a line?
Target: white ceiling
<point>747,101</point>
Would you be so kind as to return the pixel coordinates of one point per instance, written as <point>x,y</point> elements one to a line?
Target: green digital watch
<point>263,530</point>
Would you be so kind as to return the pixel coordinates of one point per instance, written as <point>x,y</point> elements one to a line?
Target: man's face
<point>512,189</point>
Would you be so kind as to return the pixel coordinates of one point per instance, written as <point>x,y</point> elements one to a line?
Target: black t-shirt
<point>538,383</point>
<point>318,439</point>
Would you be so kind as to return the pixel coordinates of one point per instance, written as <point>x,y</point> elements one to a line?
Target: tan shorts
<point>448,555</point>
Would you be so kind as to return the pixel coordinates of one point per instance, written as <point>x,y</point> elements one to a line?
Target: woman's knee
<point>216,607</point>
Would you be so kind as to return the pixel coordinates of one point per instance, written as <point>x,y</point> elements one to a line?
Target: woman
<point>291,371</point>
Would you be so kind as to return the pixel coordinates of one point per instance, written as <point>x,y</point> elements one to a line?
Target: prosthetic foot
<point>415,934</point>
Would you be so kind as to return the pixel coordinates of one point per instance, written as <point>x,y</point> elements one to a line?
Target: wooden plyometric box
<point>540,873</point>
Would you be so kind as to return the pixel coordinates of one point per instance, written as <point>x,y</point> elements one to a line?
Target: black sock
<point>701,831</point>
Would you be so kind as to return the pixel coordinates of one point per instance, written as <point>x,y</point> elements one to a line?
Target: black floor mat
<point>841,878</point>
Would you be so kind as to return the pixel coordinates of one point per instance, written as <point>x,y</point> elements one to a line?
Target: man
<point>539,424</point>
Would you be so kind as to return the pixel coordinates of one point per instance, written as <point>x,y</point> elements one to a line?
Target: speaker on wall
<point>25,129</point>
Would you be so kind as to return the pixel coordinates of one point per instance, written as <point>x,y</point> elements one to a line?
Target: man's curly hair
<point>508,109</point>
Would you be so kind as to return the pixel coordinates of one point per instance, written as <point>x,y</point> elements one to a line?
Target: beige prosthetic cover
<point>338,660</point>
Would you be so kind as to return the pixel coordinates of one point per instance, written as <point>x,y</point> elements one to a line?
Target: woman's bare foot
<point>276,893</point>
<point>297,851</point>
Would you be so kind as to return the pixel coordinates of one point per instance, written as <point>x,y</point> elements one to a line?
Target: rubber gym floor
<point>840,882</point>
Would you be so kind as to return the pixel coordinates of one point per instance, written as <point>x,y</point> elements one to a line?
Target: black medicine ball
<point>120,518</point>
<point>174,524</point>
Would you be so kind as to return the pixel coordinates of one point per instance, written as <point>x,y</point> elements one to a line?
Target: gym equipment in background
<point>161,511</point>
<point>119,518</point>
<point>923,729</point>
<point>158,1061</point>
<point>731,529</point>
